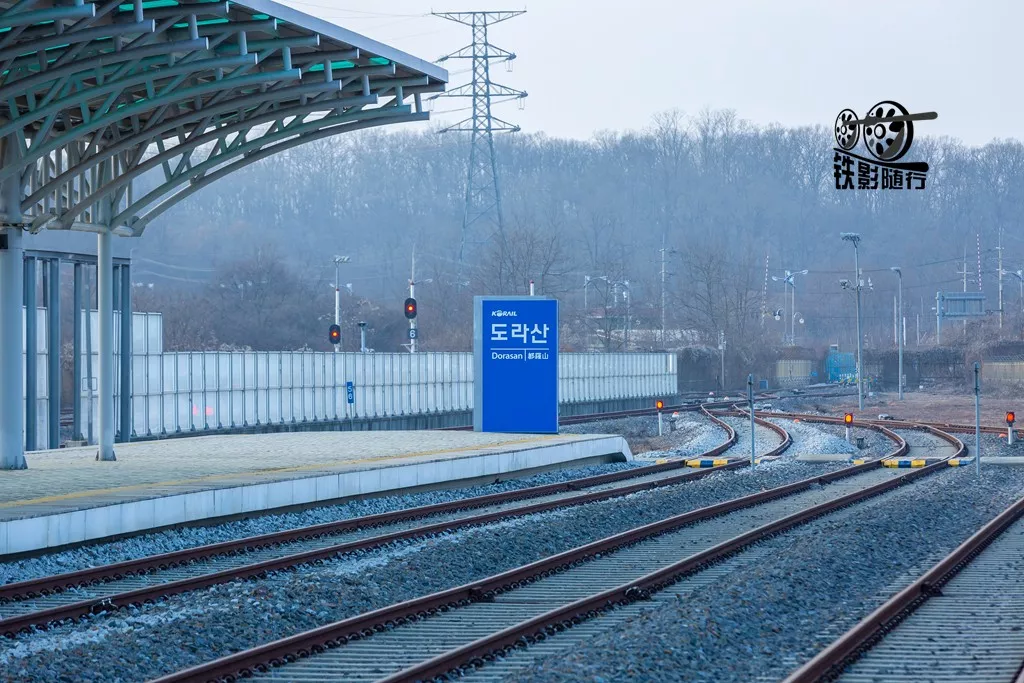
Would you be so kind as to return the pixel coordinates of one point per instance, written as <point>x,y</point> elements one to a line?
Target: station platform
<point>67,497</point>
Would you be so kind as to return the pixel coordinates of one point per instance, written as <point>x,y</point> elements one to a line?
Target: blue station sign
<point>515,348</point>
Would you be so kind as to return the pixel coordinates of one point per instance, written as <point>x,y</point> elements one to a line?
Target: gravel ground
<point>186,630</point>
<point>815,582</point>
<point>817,439</point>
<point>191,537</point>
<point>993,445</point>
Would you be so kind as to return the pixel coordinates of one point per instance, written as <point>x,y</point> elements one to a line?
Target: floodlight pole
<point>855,239</point>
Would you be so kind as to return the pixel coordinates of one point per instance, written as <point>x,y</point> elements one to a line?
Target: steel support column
<point>126,354</point>
<point>105,301</point>
<point>76,392</point>
<point>53,373</point>
<point>12,401</point>
<point>31,355</point>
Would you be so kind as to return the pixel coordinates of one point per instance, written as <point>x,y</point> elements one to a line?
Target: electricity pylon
<point>483,189</point>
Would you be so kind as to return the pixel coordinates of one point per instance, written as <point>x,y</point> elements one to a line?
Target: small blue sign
<point>412,333</point>
<point>350,389</point>
<point>814,373</point>
<point>516,362</point>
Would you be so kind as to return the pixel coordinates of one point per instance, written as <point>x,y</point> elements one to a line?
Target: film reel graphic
<point>888,129</point>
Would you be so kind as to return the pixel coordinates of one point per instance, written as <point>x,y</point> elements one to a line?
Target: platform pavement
<point>66,496</point>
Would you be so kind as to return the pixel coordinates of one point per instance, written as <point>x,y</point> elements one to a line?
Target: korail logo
<point>504,314</point>
<point>888,132</point>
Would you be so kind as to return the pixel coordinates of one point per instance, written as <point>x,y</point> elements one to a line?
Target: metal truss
<point>483,188</point>
<point>95,94</point>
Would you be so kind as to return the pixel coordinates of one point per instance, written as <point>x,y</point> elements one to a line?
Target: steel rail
<point>830,662</point>
<point>899,424</point>
<point>364,625</point>
<point>46,585</point>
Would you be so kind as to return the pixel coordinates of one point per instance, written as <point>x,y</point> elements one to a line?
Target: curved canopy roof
<point>95,93</point>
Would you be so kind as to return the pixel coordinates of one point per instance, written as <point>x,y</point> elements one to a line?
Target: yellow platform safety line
<point>706,463</point>
<point>858,461</point>
<point>904,463</point>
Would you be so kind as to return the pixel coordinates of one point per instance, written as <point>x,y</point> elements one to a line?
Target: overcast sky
<point>590,65</point>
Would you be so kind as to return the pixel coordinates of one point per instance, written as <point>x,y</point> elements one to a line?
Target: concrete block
<point>26,534</point>
<point>254,498</point>
<point>58,528</point>
<point>169,510</point>
<point>348,483</point>
<point>76,526</point>
<point>227,501</point>
<point>139,516</point>
<point>370,481</point>
<point>199,505</point>
<point>328,487</point>
<point>279,494</point>
<point>303,491</point>
<point>407,475</point>
<point>98,523</point>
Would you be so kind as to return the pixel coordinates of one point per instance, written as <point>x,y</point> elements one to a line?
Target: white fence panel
<point>183,392</point>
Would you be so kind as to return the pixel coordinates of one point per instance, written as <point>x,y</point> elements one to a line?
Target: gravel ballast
<point>764,439</point>
<point>189,629</point>
<point>695,434</point>
<point>812,438</point>
<point>195,536</point>
<point>814,583</point>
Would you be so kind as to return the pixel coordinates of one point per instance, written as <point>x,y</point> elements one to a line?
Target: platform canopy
<point>94,94</point>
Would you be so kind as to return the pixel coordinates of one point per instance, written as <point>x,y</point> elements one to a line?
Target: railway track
<point>963,620</point>
<point>453,632</point>
<point>39,602</point>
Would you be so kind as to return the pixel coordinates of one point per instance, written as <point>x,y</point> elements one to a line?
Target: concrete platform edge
<point>53,531</point>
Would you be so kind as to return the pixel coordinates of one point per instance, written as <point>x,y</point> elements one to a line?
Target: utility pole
<point>338,260</point>
<point>854,238</point>
<point>977,419</point>
<point>662,293</point>
<point>900,340</point>
<point>721,347</point>
<point>1000,249</point>
<point>483,189</point>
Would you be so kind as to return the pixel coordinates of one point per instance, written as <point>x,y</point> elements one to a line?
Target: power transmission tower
<point>483,189</point>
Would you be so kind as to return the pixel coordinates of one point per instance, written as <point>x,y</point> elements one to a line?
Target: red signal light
<point>334,334</point>
<point>848,418</point>
<point>410,308</point>
<point>659,404</point>
<point>1010,418</point>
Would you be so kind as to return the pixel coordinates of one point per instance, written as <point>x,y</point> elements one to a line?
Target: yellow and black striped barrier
<point>904,463</point>
<point>706,463</point>
<point>960,462</point>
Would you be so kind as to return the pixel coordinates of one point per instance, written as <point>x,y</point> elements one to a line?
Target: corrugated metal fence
<point>183,392</point>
